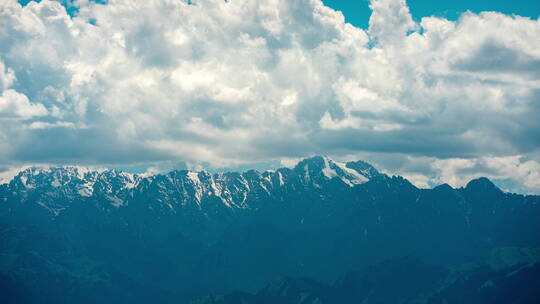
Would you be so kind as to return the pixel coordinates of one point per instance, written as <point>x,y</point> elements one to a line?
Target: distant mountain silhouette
<point>408,280</point>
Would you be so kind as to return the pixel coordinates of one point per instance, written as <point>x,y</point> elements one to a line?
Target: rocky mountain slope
<point>506,275</point>
<point>69,234</point>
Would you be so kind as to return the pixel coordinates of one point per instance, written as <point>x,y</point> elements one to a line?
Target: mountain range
<point>333,230</point>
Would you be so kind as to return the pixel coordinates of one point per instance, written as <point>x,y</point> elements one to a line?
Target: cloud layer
<point>232,82</point>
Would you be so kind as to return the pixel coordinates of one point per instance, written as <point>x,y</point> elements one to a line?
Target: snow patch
<point>54,211</point>
<point>115,201</point>
<point>245,182</point>
<point>306,173</point>
<point>55,183</point>
<point>24,180</point>
<point>280,179</point>
<point>131,180</point>
<point>194,177</point>
<point>356,177</point>
<point>85,191</point>
<point>327,171</point>
<point>215,188</point>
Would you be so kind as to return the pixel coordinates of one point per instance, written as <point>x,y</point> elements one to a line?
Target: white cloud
<point>419,180</point>
<point>45,125</point>
<point>245,81</point>
<point>7,76</point>
<point>14,105</point>
<point>425,172</point>
<point>390,21</point>
<point>7,174</point>
<point>17,105</point>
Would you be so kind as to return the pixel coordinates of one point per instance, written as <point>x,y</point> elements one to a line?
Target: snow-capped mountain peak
<point>58,187</point>
<point>351,173</point>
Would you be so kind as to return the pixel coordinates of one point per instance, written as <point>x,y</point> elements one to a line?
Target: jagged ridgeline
<point>72,235</point>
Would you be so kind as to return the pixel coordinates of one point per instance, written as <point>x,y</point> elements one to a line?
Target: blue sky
<point>68,4</point>
<point>357,12</point>
<point>160,84</point>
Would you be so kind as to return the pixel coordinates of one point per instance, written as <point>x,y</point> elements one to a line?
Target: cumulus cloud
<point>232,82</point>
<point>13,104</point>
<point>458,171</point>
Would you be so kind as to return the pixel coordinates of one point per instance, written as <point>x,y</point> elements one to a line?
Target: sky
<point>357,12</point>
<point>437,92</point>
